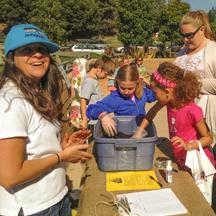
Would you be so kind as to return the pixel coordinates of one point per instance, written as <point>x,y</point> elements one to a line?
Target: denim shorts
<point>62,208</point>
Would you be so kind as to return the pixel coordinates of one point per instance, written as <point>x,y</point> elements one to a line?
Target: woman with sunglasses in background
<point>198,55</point>
<point>32,175</point>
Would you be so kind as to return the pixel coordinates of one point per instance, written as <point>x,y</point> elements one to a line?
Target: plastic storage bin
<point>121,154</point>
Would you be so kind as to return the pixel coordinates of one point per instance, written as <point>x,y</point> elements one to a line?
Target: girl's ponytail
<point>192,85</point>
<point>188,88</point>
<point>139,89</point>
<point>208,32</point>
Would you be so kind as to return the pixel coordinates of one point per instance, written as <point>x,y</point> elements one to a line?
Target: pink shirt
<point>182,123</point>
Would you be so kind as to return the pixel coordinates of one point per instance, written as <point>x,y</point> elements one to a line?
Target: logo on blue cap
<point>24,34</point>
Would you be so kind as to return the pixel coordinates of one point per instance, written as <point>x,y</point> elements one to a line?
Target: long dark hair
<point>47,99</point>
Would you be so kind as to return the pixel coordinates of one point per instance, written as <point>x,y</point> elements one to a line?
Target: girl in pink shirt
<point>177,89</point>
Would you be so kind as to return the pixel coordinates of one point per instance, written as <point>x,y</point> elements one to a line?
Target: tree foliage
<point>14,11</point>
<point>108,15</point>
<point>89,18</point>
<point>138,20</point>
<point>83,18</point>
<point>212,20</point>
<point>135,21</point>
<point>49,16</point>
<point>170,19</point>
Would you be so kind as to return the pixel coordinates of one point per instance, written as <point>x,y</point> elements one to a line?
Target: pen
<point>128,206</point>
<point>152,178</point>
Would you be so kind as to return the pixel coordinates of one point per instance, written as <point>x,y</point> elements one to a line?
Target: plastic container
<point>124,154</point>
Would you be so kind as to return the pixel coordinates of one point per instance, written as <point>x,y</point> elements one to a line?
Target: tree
<point>14,11</point>
<point>170,19</point>
<point>108,15</point>
<point>48,14</point>
<point>212,20</point>
<point>83,18</point>
<point>138,20</point>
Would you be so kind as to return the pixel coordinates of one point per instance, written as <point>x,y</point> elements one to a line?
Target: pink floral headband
<point>164,82</point>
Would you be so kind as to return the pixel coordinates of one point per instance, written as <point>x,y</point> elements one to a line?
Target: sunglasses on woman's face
<point>30,49</point>
<point>190,35</point>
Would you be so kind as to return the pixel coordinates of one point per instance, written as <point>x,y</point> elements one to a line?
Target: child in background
<point>111,79</point>
<point>141,67</point>
<point>124,61</point>
<point>90,90</point>
<point>128,100</point>
<point>187,127</point>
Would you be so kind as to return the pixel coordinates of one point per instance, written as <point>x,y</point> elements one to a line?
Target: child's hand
<point>109,125</point>
<point>139,133</point>
<point>178,142</point>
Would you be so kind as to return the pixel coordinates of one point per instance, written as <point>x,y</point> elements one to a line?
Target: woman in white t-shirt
<point>32,175</point>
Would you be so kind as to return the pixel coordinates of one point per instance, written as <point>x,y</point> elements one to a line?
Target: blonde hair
<point>130,73</point>
<point>197,19</point>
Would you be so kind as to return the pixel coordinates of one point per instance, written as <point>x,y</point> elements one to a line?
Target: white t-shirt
<point>19,118</point>
<point>195,64</point>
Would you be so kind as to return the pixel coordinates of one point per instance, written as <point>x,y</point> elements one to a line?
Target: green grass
<point>112,40</point>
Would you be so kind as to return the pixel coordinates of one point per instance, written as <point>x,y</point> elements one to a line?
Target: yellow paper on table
<point>132,180</point>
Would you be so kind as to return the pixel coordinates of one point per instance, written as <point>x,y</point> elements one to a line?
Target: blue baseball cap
<point>24,34</point>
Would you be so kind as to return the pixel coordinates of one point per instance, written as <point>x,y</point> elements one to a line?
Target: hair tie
<point>164,82</point>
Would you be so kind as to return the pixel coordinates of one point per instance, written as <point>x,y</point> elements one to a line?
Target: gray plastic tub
<point>121,154</point>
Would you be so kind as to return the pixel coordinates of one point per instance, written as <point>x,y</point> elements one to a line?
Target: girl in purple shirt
<point>177,89</point>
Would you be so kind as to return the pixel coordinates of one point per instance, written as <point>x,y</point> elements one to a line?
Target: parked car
<point>119,49</point>
<point>128,49</point>
<point>98,43</point>
<point>90,48</point>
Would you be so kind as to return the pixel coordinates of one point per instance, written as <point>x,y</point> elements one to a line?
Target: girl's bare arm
<point>205,135</point>
<point>148,118</point>
<point>83,107</point>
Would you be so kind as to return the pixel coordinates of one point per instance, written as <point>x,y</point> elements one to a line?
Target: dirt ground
<point>74,171</point>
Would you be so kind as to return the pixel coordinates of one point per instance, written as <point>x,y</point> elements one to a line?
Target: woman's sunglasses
<point>190,35</point>
<point>30,49</point>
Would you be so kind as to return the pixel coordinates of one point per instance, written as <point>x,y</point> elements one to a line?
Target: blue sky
<point>205,5</point>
